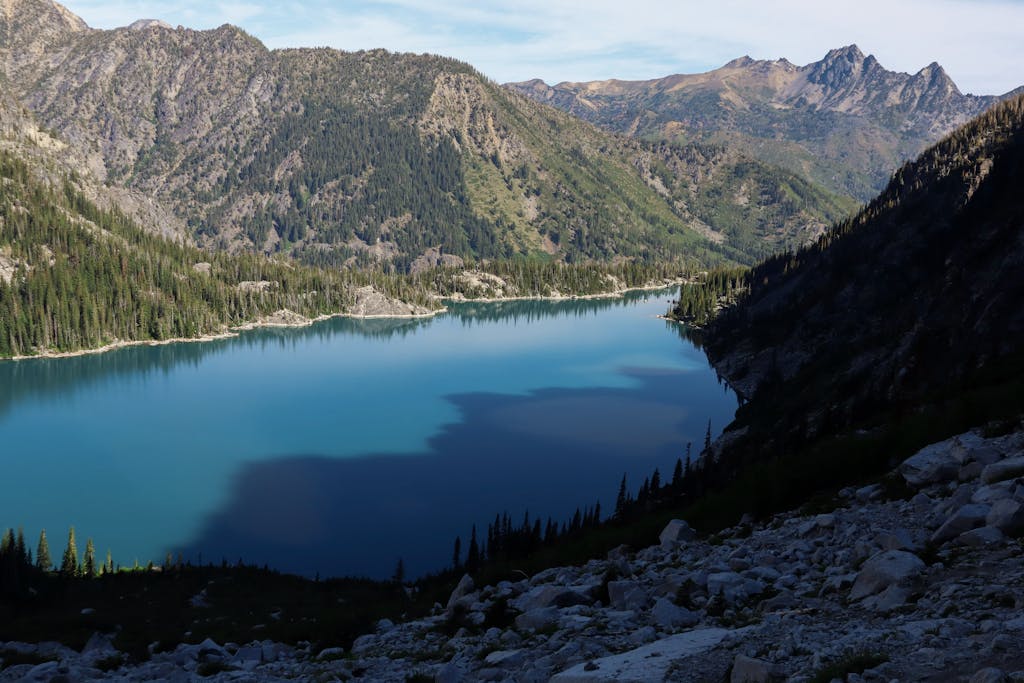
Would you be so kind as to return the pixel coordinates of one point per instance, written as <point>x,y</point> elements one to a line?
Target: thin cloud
<point>977,41</point>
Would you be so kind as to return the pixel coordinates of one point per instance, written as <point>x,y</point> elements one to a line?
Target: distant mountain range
<point>844,122</point>
<point>378,159</point>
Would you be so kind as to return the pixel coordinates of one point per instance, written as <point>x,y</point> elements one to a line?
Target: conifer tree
<point>89,565</point>
<point>621,499</point>
<point>457,554</point>
<point>69,563</point>
<point>110,562</point>
<point>43,560</point>
<point>473,553</point>
<point>21,553</point>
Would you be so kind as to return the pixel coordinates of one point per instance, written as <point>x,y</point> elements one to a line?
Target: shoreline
<point>235,331</point>
<point>566,297</point>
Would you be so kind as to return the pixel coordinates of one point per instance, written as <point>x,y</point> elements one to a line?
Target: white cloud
<point>977,41</point>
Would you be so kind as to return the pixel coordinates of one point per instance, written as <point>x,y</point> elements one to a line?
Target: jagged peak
<point>850,53</point>
<point>745,60</point>
<point>936,77</point>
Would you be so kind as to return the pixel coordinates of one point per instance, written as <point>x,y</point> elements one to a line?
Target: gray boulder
<point>1007,515</point>
<point>749,670</point>
<point>537,619</point>
<point>464,588</point>
<point>1010,468</point>
<point>626,595</point>
<point>675,532</point>
<point>967,517</point>
<point>930,465</point>
<point>988,675</point>
<point>668,615</point>
<point>887,568</point>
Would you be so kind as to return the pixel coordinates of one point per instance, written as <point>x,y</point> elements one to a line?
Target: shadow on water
<point>547,452</point>
<point>48,377</point>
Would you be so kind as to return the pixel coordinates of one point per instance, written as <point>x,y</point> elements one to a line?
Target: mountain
<point>844,122</point>
<point>369,158</point>
<point>900,326</point>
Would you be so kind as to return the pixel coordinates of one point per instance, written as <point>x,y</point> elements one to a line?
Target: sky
<point>979,42</point>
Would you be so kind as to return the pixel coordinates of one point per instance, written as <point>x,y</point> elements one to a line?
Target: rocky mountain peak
<point>143,24</point>
<point>839,67</point>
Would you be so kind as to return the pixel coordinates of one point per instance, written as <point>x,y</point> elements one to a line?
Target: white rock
<point>1007,515</point>
<point>967,517</point>
<point>749,670</point>
<point>668,615</point>
<point>883,570</point>
<point>675,532</point>
<point>1010,468</point>
<point>464,588</point>
<point>646,663</point>
<point>930,465</point>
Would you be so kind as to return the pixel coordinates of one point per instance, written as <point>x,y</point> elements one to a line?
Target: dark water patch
<point>547,453</point>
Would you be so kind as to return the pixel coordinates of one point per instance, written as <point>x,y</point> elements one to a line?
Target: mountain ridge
<point>354,159</point>
<point>845,110</point>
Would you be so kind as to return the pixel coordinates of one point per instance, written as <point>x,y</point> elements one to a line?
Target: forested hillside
<point>374,159</point>
<point>899,327</point>
<point>74,276</point>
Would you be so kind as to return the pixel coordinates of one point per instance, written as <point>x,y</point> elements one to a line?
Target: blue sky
<point>979,42</point>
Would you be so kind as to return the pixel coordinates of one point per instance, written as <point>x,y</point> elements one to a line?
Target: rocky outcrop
<point>859,587</point>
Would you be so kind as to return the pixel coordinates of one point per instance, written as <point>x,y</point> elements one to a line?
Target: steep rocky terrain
<point>927,585</point>
<point>371,157</point>
<point>845,122</point>
<point>914,300</point>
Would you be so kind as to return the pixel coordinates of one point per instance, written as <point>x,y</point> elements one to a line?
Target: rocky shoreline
<point>919,579</point>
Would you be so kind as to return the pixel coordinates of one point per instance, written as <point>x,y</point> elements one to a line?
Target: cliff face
<point>845,122</point>
<point>356,158</point>
<point>915,299</point>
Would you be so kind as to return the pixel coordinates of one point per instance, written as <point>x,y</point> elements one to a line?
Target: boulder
<point>649,662</point>
<point>1007,515</point>
<point>464,588</point>
<point>981,537</point>
<point>668,615</point>
<point>506,658</point>
<point>626,595</point>
<point>749,670</point>
<point>1011,468</point>
<point>967,517</point>
<point>988,675</point>
<point>930,465</point>
<point>537,619</point>
<point>675,532</point>
<point>733,587</point>
<point>887,568</point>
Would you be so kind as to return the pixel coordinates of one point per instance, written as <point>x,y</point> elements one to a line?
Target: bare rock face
<point>371,303</point>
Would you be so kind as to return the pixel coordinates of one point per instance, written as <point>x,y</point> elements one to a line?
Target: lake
<point>338,448</point>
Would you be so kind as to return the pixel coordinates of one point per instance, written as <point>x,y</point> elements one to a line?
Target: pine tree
<point>457,554</point>
<point>110,562</point>
<point>621,500</point>
<point>473,553</point>
<point>677,474</point>
<point>707,440</point>
<point>69,563</point>
<point>43,560</point>
<point>21,553</point>
<point>89,565</point>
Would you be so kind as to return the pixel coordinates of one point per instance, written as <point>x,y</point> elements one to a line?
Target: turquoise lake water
<point>338,448</point>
